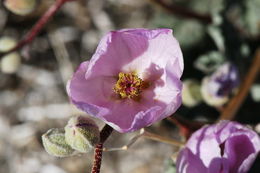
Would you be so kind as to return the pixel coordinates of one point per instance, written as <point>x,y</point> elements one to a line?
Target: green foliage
<point>252,17</point>
<point>188,32</point>
<point>170,167</point>
<point>209,62</point>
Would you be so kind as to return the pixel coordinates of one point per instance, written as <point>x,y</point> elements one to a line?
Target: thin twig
<point>38,26</point>
<point>159,138</point>
<point>148,135</point>
<point>183,12</point>
<point>127,146</point>
<point>104,134</point>
<point>231,109</point>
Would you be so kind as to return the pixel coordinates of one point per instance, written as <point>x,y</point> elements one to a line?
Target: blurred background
<point>33,79</point>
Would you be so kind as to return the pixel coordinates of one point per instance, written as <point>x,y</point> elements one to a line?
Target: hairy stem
<point>104,134</point>
<point>38,26</point>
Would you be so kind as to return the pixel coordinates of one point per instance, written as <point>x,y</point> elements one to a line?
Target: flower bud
<point>81,133</point>
<point>20,7</point>
<point>54,143</point>
<point>217,88</point>
<point>210,98</point>
<point>191,93</point>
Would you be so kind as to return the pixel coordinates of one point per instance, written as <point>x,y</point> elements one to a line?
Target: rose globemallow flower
<point>226,147</point>
<point>132,80</point>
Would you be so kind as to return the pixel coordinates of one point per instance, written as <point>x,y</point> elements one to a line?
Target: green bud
<point>81,133</point>
<point>191,93</point>
<point>54,143</point>
<point>20,7</point>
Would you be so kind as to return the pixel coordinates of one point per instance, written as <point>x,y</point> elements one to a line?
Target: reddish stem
<point>233,106</point>
<point>104,134</point>
<point>38,26</point>
<point>97,158</point>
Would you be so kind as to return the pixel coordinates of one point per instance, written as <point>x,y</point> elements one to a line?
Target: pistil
<point>129,85</point>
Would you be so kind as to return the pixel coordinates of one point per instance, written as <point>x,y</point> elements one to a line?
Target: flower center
<point>129,85</point>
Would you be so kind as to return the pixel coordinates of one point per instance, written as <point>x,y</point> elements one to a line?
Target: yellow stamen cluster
<point>129,85</point>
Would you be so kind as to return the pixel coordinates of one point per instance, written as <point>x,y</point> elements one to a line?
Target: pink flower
<point>226,147</point>
<point>132,80</point>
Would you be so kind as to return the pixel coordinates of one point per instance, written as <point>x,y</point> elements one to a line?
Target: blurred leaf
<point>255,92</point>
<point>245,50</point>
<point>247,19</point>
<point>188,32</point>
<point>252,16</point>
<point>207,6</point>
<point>217,37</point>
<point>170,167</point>
<point>209,62</point>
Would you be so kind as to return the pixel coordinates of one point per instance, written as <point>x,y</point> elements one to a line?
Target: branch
<point>231,109</point>
<point>104,134</point>
<point>38,26</point>
<point>183,12</point>
<point>147,135</point>
<point>159,138</point>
